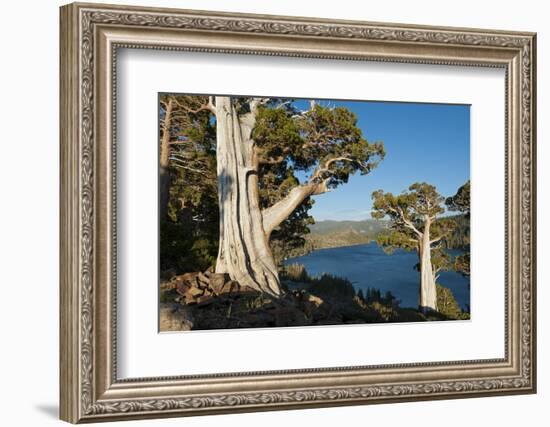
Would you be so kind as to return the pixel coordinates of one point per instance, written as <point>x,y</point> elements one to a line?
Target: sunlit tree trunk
<point>245,229</point>
<point>428,291</point>
<point>244,251</point>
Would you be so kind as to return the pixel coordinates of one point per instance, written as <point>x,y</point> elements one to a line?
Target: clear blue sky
<point>423,142</point>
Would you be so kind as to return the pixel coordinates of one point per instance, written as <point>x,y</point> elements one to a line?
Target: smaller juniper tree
<point>415,226</point>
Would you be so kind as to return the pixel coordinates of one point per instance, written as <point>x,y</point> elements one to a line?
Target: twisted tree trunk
<point>428,291</point>
<point>244,251</point>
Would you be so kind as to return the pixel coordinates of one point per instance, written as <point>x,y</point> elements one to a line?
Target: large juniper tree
<point>415,226</point>
<point>261,144</point>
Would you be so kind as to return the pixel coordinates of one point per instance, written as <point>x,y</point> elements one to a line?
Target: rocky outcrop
<point>200,288</point>
<point>208,300</point>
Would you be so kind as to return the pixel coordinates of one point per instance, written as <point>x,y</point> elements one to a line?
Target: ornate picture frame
<point>90,37</point>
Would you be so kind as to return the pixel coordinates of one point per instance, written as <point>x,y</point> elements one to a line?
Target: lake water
<point>368,266</point>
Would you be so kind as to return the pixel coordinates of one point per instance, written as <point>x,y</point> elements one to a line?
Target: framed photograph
<point>267,212</point>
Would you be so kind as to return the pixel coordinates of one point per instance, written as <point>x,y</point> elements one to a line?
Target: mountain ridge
<point>333,233</point>
<point>368,226</point>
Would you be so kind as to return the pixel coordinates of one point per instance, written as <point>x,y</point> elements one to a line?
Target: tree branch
<point>256,102</point>
<point>179,164</point>
<point>408,223</point>
<point>282,104</point>
<point>302,113</point>
<point>271,160</point>
<point>276,214</point>
<point>399,212</point>
<point>437,247</point>
<point>437,239</point>
<point>209,106</point>
<point>325,167</point>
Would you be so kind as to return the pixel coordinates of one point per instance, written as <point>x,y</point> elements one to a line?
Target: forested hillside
<point>459,237</point>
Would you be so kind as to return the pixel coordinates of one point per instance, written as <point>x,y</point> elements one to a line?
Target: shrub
<point>375,295</point>
<point>296,273</point>
<point>326,286</point>
<point>447,305</point>
<point>332,287</point>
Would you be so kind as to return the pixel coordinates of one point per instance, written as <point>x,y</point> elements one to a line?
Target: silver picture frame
<point>90,37</point>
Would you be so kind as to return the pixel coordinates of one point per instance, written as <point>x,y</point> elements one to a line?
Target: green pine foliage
<point>462,264</point>
<point>460,202</point>
<point>332,287</point>
<point>407,212</point>
<point>189,232</point>
<point>448,306</point>
<point>459,237</point>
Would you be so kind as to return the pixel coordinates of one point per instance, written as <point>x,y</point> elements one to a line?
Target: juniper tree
<point>413,216</point>
<point>188,210</point>
<point>186,142</point>
<point>261,145</point>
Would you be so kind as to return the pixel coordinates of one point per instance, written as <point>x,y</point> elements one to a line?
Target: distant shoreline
<point>331,247</point>
<point>345,245</point>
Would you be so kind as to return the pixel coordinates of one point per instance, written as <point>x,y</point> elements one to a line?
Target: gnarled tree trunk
<point>428,291</point>
<point>244,251</point>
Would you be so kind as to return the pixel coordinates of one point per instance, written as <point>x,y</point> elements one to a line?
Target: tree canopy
<point>322,140</point>
<point>408,213</point>
<point>460,202</point>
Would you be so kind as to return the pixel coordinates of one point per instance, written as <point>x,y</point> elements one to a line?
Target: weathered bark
<point>244,251</point>
<point>276,214</point>
<point>428,292</point>
<point>164,179</point>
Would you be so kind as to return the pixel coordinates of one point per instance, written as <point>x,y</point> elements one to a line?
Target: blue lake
<point>368,266</point>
